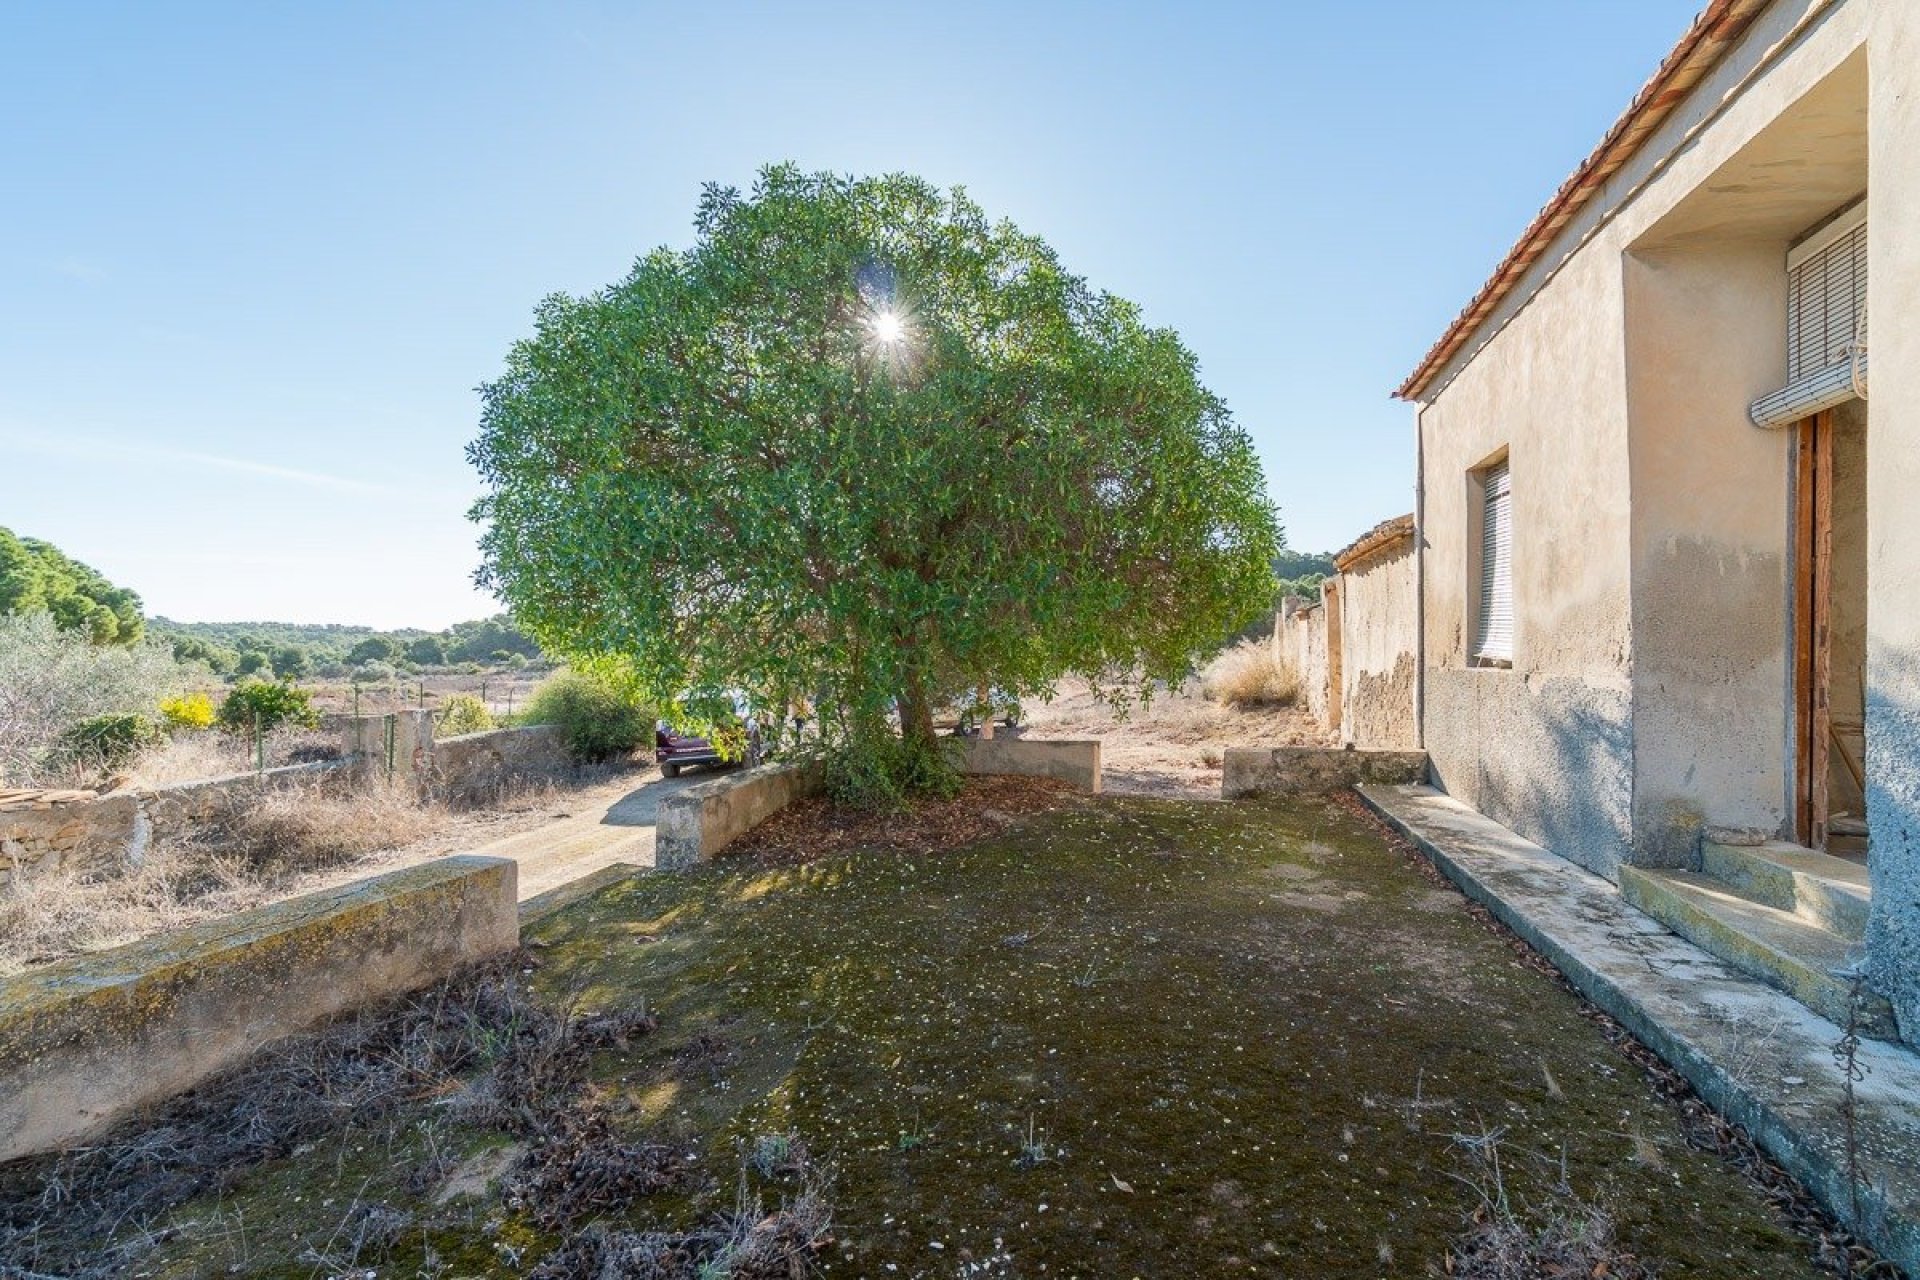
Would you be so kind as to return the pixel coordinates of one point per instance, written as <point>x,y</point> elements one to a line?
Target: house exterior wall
<point>1652,537</point>
<point>1544,747</point>
<point>1893,519</point>
<point>1377,618</point>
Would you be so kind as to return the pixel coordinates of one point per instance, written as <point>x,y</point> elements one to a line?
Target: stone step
<point>1774,945</point>
<point>1821,889</point>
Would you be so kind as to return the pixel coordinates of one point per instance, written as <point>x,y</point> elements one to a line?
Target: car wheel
<point>670,769</point>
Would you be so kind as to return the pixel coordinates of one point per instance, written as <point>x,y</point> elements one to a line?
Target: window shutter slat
<point>1495,638</point>
<point>1825,295</point>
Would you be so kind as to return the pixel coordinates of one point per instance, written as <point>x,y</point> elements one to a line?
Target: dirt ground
<point>1129,1037</point>
<point>1173,746</point>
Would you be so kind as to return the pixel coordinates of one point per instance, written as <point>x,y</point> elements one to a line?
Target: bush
<point>187,711</point>
<point>1247,675</point>
<point>266,705</point>
<point>599,720</point>
<point>462,713</point>
<point>51,680</point>
<point>109,742</point>
<point>374,672</point>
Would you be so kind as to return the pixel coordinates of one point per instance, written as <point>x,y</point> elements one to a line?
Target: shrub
<point>599,720</point>
<point>109,742</point>
<point>266,705</point>
<point>187,711</point>
<point>1247,675</point>
<point>51,680</point>
<point>462,713</point>
<point>374,672</point>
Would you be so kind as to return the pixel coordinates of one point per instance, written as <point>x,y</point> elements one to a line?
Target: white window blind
<point>1826,323</point>
<point>1826,293</point>
<point>1495,634</point>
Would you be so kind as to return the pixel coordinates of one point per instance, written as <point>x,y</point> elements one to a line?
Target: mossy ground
<point>1132,1038</point>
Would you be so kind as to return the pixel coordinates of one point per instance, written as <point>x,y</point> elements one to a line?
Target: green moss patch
<point>1132,1038</point>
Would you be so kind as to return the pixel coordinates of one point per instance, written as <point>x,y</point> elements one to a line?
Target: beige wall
<point>1377,617</point>
<point>1652,538</point>
<point>1893,520</point>
<point>1712,541</point>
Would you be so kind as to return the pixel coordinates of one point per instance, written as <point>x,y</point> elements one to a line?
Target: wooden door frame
<point>1812,626</point>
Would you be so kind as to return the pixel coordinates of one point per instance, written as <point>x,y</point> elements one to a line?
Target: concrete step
<point>1821,889</point>
<point>1776,946</point>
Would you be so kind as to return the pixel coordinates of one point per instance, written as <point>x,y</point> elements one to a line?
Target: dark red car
<point>673,751</point>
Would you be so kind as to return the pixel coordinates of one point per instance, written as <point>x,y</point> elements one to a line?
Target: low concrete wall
<point>1305,771</point>
<point>87,834</point>
<point>697,823</point>
<point>1075,761</point>
<point>86,1041</point>
<point>475,767</point>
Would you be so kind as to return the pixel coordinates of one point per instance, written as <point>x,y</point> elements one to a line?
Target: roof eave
<point>1705,43</point>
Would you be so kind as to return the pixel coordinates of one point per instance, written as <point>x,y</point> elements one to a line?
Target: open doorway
<point>1831,631</point>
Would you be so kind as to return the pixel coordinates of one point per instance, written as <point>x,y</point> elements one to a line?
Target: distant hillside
<point>292,648</point>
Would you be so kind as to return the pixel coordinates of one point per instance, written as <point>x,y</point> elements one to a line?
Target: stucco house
<point>1667,529</point>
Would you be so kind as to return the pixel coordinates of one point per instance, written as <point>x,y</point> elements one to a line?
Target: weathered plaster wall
<point>1766,145</point>
<point>1893,480</point>
<point>1378,620</point>
<point>1544,748</point>
<point>1302,643</point>
<point>1712,533</point>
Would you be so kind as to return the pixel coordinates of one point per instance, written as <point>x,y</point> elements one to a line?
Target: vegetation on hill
<point>1299,573</point>
<point>861,442</point>
<point>36,577</point>
<point>292,650</point>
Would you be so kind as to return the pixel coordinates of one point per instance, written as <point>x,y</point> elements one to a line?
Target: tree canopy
<point>36,577</point>
<point>863,443</point>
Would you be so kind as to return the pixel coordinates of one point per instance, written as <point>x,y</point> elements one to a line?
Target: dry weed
<point>308,829</point>
<point>259,856</point>
<point>1247,675</point>
<point>524,1068</point>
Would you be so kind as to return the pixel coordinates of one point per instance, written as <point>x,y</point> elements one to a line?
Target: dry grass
<point>267,852</point>
<point>194,757</point>
<point>1247,675</point>
<point>300,830</point>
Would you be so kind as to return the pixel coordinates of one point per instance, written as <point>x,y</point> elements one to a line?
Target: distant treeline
<point>292,650</point>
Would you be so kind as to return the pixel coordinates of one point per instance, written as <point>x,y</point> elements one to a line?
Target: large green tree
<point>861,440</point>
<point>37,577</point>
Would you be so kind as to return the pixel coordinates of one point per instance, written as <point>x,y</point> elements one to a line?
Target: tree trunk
<point>916,712</point>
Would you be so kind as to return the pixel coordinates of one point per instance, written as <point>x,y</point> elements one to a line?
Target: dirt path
<point>1172,747</point>
<point>602,826</point>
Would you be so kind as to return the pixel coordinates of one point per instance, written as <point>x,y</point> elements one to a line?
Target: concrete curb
<point>1754,1054</point>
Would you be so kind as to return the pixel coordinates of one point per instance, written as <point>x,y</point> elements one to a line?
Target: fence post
<point>259,746</point>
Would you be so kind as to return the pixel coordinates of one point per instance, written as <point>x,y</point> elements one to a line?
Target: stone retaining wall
<point>91,834</point>
<point>87,834</point>
<point>476,767</point>
<point>87,1041</point>
<point>1304,771</point>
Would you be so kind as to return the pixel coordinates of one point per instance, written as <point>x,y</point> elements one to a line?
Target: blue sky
<point>255,258</point>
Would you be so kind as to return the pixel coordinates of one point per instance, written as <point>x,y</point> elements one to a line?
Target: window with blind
<point>1493,638</point>
<point>1826,323</point>
<point>1826,295</point>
